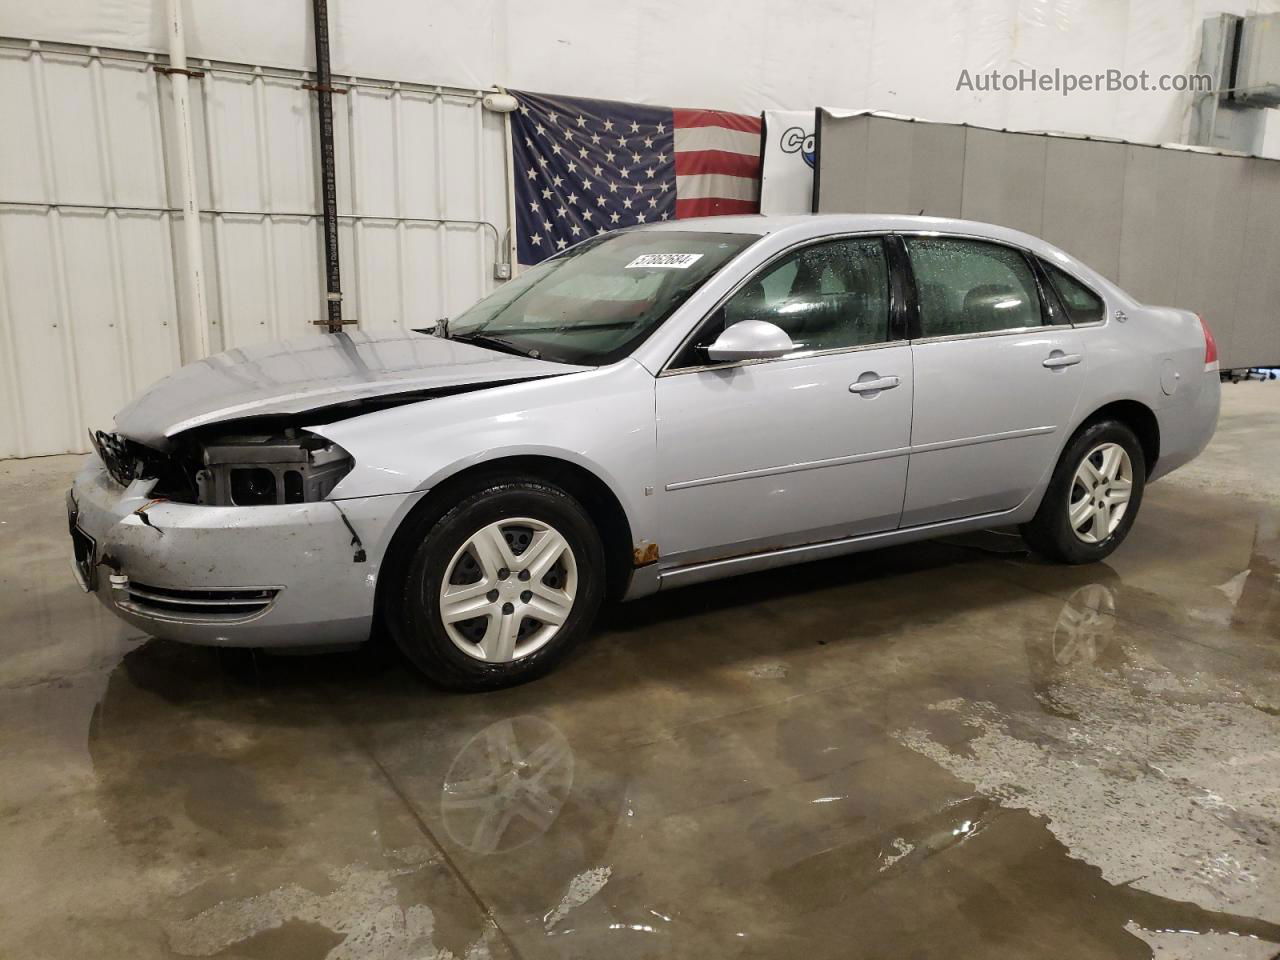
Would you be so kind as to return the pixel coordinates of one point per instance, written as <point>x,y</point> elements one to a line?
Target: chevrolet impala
<point>649,409</point>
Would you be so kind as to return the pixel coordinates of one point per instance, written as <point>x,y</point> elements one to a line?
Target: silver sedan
<point>652,408</point>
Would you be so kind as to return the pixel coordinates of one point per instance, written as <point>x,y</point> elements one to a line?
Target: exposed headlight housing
<point>293,467</point>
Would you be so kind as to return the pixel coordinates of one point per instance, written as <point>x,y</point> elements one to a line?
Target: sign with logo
<point>786,185</point>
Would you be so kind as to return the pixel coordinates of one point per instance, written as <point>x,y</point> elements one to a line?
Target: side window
<point>826,296</point>
<point>971,286</point>
<point>1083,305</point>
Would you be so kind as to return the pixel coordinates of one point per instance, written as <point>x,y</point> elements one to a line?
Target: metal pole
<point>509,165</point>
<point>328,179</point>
<point>193,248</point>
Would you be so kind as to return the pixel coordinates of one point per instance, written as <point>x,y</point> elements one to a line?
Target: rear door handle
<point>874,386</point>
<point>1063,360</point>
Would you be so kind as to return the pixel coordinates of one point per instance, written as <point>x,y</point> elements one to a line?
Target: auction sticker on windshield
<point>670,261</point>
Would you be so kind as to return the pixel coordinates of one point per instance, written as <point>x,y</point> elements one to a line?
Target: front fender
<point>601,420</point>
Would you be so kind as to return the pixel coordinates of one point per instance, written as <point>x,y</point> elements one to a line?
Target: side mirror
<point>750,340</point>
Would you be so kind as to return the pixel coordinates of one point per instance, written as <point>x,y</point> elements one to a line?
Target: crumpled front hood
<point>294,376</point>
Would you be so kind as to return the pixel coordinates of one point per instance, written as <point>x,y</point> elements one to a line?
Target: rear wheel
<point>500,587</point>
<point>1093,496</point>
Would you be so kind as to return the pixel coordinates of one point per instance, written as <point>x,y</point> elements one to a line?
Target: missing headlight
<point>293,467</point>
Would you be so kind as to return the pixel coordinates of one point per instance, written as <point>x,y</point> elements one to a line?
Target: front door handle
<point>874,386</point>
<point>1059,360</point>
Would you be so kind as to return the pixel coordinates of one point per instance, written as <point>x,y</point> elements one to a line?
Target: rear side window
<point>1083,305</point>
<point>971,286</point>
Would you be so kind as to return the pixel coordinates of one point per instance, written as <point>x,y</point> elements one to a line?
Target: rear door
<point>996,379</point>
<point>798,449</point>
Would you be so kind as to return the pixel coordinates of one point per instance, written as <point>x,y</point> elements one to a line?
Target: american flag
<point>584,167</point>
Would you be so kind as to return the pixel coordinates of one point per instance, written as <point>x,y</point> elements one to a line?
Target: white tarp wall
<point>88,309</point>
<point>902,56</point>
<point>90,257</point>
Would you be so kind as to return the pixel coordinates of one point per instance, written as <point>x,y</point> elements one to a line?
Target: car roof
<point>797,228</point>
<point>807,225</point>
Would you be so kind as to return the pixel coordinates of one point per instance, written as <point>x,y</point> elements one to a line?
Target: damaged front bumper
<point>275,575</point>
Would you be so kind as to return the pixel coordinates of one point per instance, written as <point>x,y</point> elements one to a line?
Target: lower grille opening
<point>231,603</point>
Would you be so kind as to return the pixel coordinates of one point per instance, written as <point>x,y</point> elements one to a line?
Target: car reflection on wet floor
<point>939,750</point>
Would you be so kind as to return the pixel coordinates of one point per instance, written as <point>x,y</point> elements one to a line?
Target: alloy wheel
<point>1100,493</point>
<point>508,590</point>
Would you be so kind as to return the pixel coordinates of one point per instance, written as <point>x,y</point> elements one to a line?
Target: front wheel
<point>500,587</point>
<point>1093,496</point>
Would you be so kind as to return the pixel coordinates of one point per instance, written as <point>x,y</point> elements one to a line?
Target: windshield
<point>595,303</point>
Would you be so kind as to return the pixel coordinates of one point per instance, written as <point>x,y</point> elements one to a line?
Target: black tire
<point>412,600</point>
<point>1049,533</point>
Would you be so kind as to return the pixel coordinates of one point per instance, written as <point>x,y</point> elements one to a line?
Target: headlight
<point>292,467</point>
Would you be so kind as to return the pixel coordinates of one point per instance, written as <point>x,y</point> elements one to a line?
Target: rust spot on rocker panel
<point>645,554</point>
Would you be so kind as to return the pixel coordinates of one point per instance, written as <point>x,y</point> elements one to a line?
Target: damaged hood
<point>295,376</point>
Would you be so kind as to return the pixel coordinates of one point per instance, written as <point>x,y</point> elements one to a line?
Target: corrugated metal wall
<point>90,258</point>
<point>1172,227</point>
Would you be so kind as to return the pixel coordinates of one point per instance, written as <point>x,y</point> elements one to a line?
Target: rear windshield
<point>598,301</point>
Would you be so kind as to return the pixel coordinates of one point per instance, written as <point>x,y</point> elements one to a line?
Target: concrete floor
<point>942,750</point>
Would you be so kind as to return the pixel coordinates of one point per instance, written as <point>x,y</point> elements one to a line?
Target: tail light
<point>1210,345</point>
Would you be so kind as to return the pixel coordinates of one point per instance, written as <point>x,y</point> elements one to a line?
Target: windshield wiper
<point>494,343</point>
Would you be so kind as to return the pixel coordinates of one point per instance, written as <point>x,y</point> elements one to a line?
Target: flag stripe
<point>717,138</point>
<point>703,185</point>
<point>714,118</point>
<point>714,206</point>
<point>717,161</point>
<point>585,167</point>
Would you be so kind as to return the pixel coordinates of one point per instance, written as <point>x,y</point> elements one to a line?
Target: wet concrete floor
<point>941,750</point>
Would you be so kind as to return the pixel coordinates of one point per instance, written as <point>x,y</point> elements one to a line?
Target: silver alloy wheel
<point>508,590</point>
<point>1100,492</point>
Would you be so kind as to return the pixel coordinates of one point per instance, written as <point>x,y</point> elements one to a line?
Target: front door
<point>763,454</point>
<point>996,383</point>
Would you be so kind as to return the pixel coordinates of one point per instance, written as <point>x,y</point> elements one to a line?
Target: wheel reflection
<point>507,785</point>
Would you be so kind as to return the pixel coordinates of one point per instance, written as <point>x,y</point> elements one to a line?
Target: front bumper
<point>263,576</point>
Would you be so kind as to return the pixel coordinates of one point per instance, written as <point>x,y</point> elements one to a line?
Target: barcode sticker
<point>668,261</point>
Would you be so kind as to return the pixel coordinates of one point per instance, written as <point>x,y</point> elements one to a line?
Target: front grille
<point>116,456</point>
<point>217,604</point>
<point>127,460</point>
